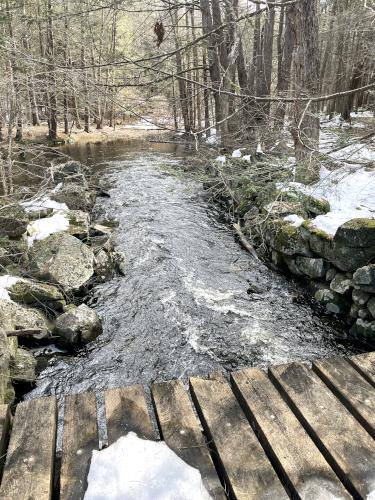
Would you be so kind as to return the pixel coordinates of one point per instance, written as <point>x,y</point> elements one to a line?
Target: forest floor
<point>38,134</point>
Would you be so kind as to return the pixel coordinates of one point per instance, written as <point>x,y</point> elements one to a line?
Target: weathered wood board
<point>347,446</point>
<point>28,471</point>
<point>300,463</point>
<point>180,428</point>
<point>245,466</point>
<point>80,438</point>
<point>126,411</point>
<point>351,388</point>
<point>365,363</point>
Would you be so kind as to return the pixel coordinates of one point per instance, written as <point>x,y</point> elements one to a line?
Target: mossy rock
<point>22,368</point>
<point>288,239</point>
<point>279,209</point>
<point>357,233</point>
<point>13,221</point>
<point>312,205</point>
<point>41,295</point>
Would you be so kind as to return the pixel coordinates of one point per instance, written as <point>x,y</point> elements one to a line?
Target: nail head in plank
<point>365,364</point>
<point>80,438</point>
<point>351,388</point>
<point>180,429</point>
<point>245,465</point>
<point>307,473</point>
<point>4,433</point>
<point>126,411</point>
<point>28,470</point>
<point>344,442</point>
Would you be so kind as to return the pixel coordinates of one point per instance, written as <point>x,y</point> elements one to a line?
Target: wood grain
<point>28,471</point>
<point>365,364</point>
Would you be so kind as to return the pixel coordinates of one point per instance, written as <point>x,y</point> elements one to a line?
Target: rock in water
<point>79,325</point>
<point>62,259</point>
<point>13,221</point>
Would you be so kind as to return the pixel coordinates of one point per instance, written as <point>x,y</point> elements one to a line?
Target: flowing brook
<point>192,300</point>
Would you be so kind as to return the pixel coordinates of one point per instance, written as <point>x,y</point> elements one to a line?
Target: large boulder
<point>13,220</point>
<point>36,294</point>
<point>79,325</point>
<point>13,251</point>
<point>346,258</point>
<point>17,317</point>
<point>76,196</point>
<point>357,233</point>
<point>62,259</point>
<point>310,204</point>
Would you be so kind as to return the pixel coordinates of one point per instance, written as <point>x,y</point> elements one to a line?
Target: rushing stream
<point>192,300</point>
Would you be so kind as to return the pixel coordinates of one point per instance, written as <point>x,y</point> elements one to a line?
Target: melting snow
<point>137,469</point>
<point>236,153</point>
<point>42,228</point>
<point>42,203</point>
<point>6,282</point>
<point>247,158</point>
<point>221,159</point>
<point>296,220</point>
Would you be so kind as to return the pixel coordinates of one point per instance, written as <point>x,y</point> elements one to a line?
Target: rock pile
<point>50,255</point>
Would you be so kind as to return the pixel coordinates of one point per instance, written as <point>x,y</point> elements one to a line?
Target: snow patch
<point>236,153</point>
<point>259,149</point>
<point>42,228</point>
<point>43,203</point>
<point>138,469</point>
<point>295,220</point>
<point>6,282</point>
<point>247,158</point>
<point>221,159</point>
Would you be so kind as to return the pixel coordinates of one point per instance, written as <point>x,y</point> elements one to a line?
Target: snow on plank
<point>4,431</point>
<point>244,464</point>
<point>346,445</point>
<point>28,471</point>
<point>180,429</point>
<point>300,463</point>
<point>80,438</point>
<point>365,364</point>
<point>351,388</point>
<point>126,411</point>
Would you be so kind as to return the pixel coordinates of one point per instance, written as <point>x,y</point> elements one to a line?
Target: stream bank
<point>191,301</point>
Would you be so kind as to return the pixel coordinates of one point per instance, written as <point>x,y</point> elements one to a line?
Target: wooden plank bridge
<point>294,432</point>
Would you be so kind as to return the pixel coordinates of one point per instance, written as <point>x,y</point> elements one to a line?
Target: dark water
<point>183,307</point>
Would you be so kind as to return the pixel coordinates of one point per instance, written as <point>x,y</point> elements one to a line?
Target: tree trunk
<point>305,131</point>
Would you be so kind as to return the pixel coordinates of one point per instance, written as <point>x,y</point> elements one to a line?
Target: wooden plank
<point>245,466</point>
<point>351,388</point>
<point>295,456</point>
<point>4,433</point>
<point>28,471</point>
<point>126,411</point>
<point>365,364</point>
<point>346,445</point>
<point>80,438</point>
<point>180,428</point>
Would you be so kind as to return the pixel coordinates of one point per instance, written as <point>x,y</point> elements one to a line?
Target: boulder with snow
<point>37,294</point>
<point>75,196</point>
<point>286,238</point>
<point>13,220</point>
<point>17,317</point>
<point>357,233</point>
<point>79,325</point>
<point>62,259</point>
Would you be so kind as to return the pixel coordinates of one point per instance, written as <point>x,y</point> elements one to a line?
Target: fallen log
<point>244,242</point>
<point>27,332</point>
